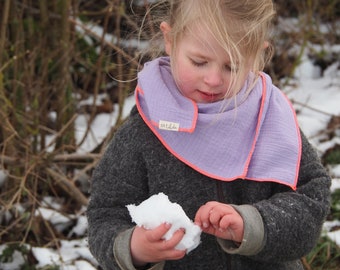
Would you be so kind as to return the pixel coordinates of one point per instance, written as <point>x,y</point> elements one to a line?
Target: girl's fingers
<point>157,233</point>
<point>202,217</point>
<point>174,240</point>
<point>221,220</point>
<point>170,246</point>
<point>214,218</point>
<point>210,214</point>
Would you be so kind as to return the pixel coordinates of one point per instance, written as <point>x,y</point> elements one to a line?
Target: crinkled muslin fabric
<point>253,137</point>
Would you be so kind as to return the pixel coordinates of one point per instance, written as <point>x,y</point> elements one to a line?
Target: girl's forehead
<point>201,37</point>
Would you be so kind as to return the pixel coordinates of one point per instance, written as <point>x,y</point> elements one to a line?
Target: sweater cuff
<point>122,254</point>
<point>253,238</point>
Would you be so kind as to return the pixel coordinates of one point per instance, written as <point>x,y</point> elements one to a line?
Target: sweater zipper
<point>220,197</point>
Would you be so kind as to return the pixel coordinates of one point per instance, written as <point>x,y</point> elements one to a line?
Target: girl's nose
<point>214,78</point>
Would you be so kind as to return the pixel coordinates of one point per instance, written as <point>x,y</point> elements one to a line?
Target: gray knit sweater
<point>281,225</point>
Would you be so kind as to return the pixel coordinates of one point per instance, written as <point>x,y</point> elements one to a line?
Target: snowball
<point>157,210</point>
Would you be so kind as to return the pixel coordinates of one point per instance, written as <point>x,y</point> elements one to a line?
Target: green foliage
<point>8,252</point>
<point>333,156</point>
<point>7,256</point>
<point>335,205</point>
<point>326,255</point>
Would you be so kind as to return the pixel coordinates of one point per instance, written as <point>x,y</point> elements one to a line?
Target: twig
<point>325,131</point>
<point>113,46</point>
<point>63,130</point>
<point>98,79</point>
<point>68,186</point>
<point>304,105</point>
<point>4,21</point>
<point>74,157</point>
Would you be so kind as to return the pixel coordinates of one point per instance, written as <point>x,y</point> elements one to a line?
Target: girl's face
<point>200,66</point>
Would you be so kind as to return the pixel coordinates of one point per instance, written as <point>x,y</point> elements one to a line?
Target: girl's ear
<point>266,45</point>
<point>166,28</point>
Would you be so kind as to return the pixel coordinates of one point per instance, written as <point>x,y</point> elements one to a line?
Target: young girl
<point>213,133</point>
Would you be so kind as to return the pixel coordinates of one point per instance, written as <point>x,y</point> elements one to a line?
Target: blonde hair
<point>241,27</point>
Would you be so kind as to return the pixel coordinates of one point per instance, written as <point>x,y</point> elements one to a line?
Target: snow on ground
<point>315,96</point>
<point>101,125</point>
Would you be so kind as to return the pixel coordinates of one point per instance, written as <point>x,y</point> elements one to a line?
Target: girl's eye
<point>227,67</point>
<point>198,63</point>
<point>231,68</point>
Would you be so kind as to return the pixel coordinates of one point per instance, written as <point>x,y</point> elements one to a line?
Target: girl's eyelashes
<point>197,63</point>
<point>200,63</point>
<point>228,68</point>
<point>233,69</point>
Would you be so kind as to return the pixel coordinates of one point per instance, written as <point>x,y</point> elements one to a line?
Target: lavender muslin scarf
<point>254,138</point>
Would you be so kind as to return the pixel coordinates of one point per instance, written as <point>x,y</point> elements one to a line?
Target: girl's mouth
<point>208,97</point>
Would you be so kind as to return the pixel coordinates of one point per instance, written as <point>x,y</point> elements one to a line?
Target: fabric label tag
<point>171,126</point>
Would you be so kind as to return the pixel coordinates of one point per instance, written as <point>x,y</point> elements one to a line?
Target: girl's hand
<point>221,220</point>
<point>147,246</point>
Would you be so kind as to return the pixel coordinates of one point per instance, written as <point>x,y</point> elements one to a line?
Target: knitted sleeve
<point>293,219</point>
<point>119,179</point>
